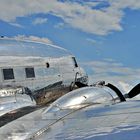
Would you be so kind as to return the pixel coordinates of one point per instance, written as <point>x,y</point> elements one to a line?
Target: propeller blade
<point>120,95</point>
<point>134,91</point>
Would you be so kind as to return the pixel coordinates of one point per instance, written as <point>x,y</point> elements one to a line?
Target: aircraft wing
<point>74,116</point>
<point>120,121</point>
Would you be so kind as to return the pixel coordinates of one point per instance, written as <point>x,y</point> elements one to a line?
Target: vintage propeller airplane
<point>33,72</point>
<point>99,111</point>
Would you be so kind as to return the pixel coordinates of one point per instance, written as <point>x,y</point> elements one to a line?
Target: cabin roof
<point>12,47</point>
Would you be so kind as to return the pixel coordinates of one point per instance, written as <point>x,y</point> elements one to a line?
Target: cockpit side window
<point>75,63</point>
<point>30,72</point>
<point>8,74</point>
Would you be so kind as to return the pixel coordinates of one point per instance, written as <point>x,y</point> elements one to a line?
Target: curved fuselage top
<point>12,47</point>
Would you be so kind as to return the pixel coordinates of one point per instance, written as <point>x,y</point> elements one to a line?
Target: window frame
<point>75,62</point>
<point>30,75</point>
<point>5,78</point>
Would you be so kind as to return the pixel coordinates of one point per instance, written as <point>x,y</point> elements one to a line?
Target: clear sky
<point>104,35</point>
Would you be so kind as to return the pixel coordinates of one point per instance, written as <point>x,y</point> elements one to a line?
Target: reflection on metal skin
<point>12,98</point>
<point>86,111</point>
<point>30,48</point>
<point>84,96</point>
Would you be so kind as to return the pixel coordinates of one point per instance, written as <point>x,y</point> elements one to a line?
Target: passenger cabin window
<point>75,63</point>
<point>29,72</point>
<point>8,74</point>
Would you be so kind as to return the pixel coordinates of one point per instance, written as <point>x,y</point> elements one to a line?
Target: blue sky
<point>100,33</point>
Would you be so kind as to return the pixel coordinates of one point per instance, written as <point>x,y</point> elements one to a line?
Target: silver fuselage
<point>34,66</point>
<point>49,63</point>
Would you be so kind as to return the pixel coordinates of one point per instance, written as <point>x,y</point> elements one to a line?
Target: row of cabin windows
<point>8,74</point>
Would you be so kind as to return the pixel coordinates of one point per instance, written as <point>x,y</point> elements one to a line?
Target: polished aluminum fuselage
<point>19,55</point>
<point>37,67</point>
